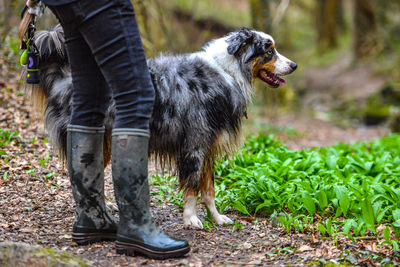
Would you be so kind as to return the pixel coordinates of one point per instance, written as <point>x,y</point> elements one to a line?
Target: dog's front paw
<point>192,221</point>
<point>222,219</point>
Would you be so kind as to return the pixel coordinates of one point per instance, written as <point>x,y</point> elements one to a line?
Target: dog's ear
<point>237,39</point>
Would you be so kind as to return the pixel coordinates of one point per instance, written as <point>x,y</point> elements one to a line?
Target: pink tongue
<point>281,82</point>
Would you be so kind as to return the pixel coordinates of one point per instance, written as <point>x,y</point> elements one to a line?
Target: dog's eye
<point>270,53</point>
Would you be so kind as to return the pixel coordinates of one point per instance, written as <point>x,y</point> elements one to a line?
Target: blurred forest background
<point>348,52</point>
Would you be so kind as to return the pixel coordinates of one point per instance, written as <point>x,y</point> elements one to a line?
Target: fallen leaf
<point>247,219</point>
<point>304,248</point>
<point>314,239</point>
<point>27,230</point>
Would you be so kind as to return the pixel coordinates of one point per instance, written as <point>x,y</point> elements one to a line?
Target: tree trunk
<point>328,12</point>
<point>365,39</point>
<point>341,22</point>
<point>7,15</point>
<point>260,15</point>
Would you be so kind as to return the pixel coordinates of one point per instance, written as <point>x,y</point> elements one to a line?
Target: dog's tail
<point>52,97</point>
<point>53,63</point>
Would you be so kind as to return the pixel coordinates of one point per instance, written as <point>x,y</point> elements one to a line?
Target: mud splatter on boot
<point>137,232</point>
<point>93,222</point>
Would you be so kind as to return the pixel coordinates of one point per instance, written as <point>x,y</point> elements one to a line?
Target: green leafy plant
<point>294,223</point>
<point>237,226</point>
<point>359,181</point>
<point>386,236</point>
<point>168,190</point>
<point>44,161</point>
<point>6,137</point>
<point>350,188</point>
<point>208,223</point>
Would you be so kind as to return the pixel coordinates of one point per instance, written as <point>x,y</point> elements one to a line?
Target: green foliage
<point>208,223</point>
<point>338,190</point>
<point>44,161</point>
<point>6,137</point>
<point>360,182</point>
<point>231,15</point>
<point>13,43</point>
<point>168,190</point>
<point>237,226</point>
<point>386,236</point>
<point>9,52</point>
<point>294,223</point>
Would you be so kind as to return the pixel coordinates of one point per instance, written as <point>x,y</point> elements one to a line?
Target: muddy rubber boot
<point>137,233</point>
<point>93,223</point>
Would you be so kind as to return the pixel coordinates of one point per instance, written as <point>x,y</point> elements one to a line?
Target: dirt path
<point>315,132</point>
<point>340,82</point>
<point>36,205</point>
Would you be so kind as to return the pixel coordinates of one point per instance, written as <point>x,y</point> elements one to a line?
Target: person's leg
<point>93,222</point>
<point>110,30</point>
<point>137,232</point>
<point>90,99</point>
<point>91,95</point>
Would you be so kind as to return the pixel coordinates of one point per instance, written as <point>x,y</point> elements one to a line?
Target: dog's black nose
<point>293,66</point>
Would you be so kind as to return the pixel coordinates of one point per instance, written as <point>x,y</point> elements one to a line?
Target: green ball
<point>23,60</point>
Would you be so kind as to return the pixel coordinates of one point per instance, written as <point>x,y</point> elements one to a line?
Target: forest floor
<point>36,205</point>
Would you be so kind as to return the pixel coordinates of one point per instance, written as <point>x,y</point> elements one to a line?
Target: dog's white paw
<point>222,219</point>
<point>192,221</point>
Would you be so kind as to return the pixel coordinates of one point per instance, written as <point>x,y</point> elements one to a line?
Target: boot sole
<point>135,249</point>
<point>83,239</point>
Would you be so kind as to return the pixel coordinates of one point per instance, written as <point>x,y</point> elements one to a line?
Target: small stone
<point>26,230</point>
<point>247,245</point>
<point>275,222</point>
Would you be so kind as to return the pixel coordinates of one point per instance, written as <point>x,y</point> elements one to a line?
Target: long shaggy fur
<point>200,100</point>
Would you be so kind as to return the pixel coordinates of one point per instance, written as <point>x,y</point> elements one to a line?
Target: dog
<point>201,99</point>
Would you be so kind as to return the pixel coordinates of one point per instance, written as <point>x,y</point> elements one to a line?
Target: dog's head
<point>258,56</point>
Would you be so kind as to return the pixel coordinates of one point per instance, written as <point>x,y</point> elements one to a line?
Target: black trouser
<point>107,59</point>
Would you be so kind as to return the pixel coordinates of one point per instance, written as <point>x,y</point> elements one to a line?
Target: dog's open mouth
<point>271,79</point>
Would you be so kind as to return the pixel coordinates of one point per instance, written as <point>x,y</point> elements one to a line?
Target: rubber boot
<point>93,223</point>
<point>137,233</point>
